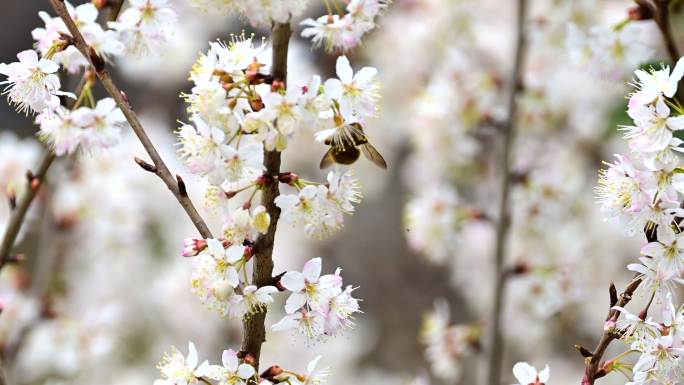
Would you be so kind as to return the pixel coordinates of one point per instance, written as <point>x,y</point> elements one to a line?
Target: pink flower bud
<point>193,247</point>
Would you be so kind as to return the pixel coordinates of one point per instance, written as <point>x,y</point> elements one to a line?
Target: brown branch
<point>496,341</point>
<point>115,9</point>
<point>123,104</point>
<point>593,368</point>
<point>662,20</point>
<point>33,184</point>
<point>254,332</point>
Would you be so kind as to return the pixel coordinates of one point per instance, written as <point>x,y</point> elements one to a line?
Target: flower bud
<point>639,12</point>
<point>223,290</point>
<point>272,372</point>
<point>261,220</point>
<point>99,4</point>
<point>193,246</point>
<point>288,178</point>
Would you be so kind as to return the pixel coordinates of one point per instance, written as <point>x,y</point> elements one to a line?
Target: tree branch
<point>123,104</point>
<point>593,368</point>
<point>115,9</point>
<point>662,19</point>
<point>496,341</point>
<point>33,184</point>
<point>254,331</point>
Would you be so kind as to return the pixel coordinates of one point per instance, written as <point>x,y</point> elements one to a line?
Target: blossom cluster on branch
<point>242,114</point>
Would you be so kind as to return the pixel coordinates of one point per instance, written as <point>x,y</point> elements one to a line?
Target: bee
<point>344,144</point>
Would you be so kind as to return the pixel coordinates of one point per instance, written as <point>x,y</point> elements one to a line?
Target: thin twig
<point>254,332</point>
<point>593,368</point>
<point>496,347</point>
<point>19,214</point>
<point>123,104</point>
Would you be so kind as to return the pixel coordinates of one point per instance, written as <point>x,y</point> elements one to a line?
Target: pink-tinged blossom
<point>317,305</point>
<point>667,252</point>
<point>657,279</point>
<point>654,127</point>
<point>625,193</point>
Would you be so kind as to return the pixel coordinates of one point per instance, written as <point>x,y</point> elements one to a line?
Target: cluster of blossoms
<point>345,30</point>
<point>320,208</point>
<point>448,346</point>
<point>139,30</point>
<point>318,305</point>
<point>34,86</point>
<point>436,215</point>
<point>237,114</point>
<point>609,50</point>
<point>215,278</point>
<point>90,128</point>
<point>335,31</point>
<point>640,192</point>
<point>447,217</point>
<point>259,13</point>
<point>238,111</point>
<point>177,369</point>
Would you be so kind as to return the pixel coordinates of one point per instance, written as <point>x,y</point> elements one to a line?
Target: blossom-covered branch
<point>254,328</point>
<point>174,184</point>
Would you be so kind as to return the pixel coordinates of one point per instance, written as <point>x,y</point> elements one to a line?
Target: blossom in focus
<point>231,372</point>
<point>625,192</point>
<point>526,374</point>
<point>215,277</point>
<point>653,83</point>
<point>321,208</point>
<point>32,83</point>
<point>654,127</point>
<point>357,93</point>
<point>179,370</point>
<point>317,305</point>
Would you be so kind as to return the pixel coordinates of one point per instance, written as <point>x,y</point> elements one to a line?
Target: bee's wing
<point>373,155</point>
<point>327,159</point>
